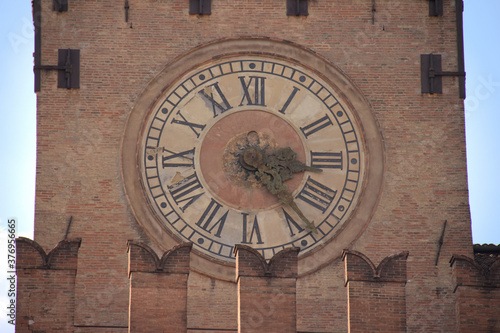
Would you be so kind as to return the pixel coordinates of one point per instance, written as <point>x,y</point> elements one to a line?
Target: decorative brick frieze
<point>30,255</point>
<point>249,262</point>
<point>266,291</point>
<point>143,259</point>
<point>46,286</point>
<point>158,288</point>
<point>477,288</point>
<point>376,294</point>
<point>360,268</point>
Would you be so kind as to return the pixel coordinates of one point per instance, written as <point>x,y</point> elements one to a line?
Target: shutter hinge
<point>431,74</point>
<point>68,65</point>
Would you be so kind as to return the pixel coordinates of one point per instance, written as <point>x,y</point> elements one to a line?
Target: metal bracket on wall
<point>126,7</point>
<point>68,67</point>
<point>373,11</point>
<point>431,74</point>
<point>440,243</point>
<point>60,5</point>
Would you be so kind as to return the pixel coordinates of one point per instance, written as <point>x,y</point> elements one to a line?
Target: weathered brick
<point>79,171</point>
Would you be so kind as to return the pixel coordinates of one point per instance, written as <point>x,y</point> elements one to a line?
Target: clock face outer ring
<point>285,51</point>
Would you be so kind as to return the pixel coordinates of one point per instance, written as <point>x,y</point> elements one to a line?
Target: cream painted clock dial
<point>195,178</point>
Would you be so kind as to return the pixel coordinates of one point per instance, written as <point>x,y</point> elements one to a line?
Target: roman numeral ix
<point>182,159</point>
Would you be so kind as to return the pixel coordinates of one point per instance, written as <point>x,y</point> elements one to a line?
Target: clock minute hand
<point>286,198</point>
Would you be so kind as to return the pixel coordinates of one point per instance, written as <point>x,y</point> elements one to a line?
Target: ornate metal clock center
<point>239,173</point>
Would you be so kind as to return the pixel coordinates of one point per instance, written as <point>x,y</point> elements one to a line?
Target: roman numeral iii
<point>324,160</point>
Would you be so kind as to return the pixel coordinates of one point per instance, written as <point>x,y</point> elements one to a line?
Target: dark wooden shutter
<point>200,7</point>
<point>60,5</point>
<point>430,67</point>
<point>297,7</point>
<point>69,77</point>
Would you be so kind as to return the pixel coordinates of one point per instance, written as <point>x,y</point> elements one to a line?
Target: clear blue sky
<point>18,123</point>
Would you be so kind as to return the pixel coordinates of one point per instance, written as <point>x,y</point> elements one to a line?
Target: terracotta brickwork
<point>376,295</point>
<point>212,305</point>
<point>478,294</point>
<point>266,291</point>
<point>322,300</point>
<point>80,134</point>
<point>46,286</point>
<point>158,289</point>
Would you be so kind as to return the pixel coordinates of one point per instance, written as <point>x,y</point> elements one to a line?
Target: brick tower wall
<point>79,133</point>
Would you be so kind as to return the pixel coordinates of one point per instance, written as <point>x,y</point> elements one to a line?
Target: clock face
<point>190,157</point>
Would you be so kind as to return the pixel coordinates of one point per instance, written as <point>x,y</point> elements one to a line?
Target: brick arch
<point>64,255</point>
<point>142,257</point>
<point>392,266</point>
<point>272,286</point>
<point>46,285</point>
<point>366,269</point>
<point>32,255</point>
<point>176,259</point>
<point>467,270</point>
<point>381,288</point>
<point>467,260</point>
<point>158,288</point>
<point>251,262</point>
<point>252,258</point>
<point>284,262</point>
<point>477,290</point>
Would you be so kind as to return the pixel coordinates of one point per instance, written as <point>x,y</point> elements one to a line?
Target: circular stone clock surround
<point>349,93</point>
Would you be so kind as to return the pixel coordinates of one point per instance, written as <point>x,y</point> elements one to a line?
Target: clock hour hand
<point>285,161</point>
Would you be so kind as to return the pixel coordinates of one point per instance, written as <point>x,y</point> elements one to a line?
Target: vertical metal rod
<point>460,46</point>
<point>37,20</point>
<point>67,228</point>
<point>431,74</point>
<point>297,12</point>
<point>373,11</point>
<point>67,69</point>
<point>127,7</point>
<point>441,241</point>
